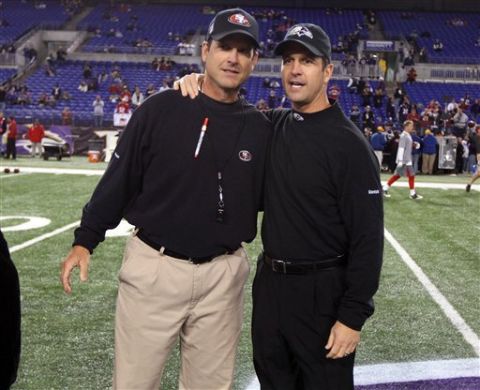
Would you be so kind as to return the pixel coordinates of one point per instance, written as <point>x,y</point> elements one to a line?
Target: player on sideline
<point>404,162</point>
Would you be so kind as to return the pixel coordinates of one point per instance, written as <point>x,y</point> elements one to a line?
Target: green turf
<point>68,340</point>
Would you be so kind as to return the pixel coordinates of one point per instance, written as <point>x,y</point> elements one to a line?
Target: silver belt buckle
<point>282,265</point>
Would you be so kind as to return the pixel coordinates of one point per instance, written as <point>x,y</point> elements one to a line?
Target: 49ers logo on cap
<point>239,19</point>
<point>245,155</point>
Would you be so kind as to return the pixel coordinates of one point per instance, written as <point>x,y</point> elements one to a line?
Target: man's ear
<point>204,51</point>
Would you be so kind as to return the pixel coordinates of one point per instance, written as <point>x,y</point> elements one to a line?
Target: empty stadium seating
<point>22,16</point>
<point>458,40</point>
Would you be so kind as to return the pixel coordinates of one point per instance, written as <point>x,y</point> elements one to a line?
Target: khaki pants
<point>427,163</point>
<point>161,298</point>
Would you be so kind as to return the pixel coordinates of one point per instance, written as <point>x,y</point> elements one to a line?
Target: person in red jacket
<point>35,135</point>
<point>11,139</point>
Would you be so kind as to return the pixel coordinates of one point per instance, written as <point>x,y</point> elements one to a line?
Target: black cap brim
<point>220,36</point>
<point>279,49</point>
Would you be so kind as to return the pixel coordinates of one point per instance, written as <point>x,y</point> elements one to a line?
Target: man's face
<point>229,62</point>
<point>410,128</point>
<point>305,78</point>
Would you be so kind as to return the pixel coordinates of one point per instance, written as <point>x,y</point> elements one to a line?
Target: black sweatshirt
<point>324,199</point>
<point>154,181</point>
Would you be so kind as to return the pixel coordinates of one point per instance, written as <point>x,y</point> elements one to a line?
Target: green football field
<point>67,341</point>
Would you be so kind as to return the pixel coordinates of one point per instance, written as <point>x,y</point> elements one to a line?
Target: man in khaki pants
<point>189,175</point>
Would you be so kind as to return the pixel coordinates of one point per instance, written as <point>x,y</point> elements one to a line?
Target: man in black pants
<point>9,317</point>
<point>322,231</point>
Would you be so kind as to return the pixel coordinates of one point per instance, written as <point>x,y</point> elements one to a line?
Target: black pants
<point>292,318</point>
<point>11,148</point>
<point>9,318</point>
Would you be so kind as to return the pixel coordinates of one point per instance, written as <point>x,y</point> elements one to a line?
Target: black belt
<point>168,252</point>
<point>302,267</point>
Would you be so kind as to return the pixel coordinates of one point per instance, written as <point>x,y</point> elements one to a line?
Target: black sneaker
<point>386,194</point>
<point>468,188</point>
<point>416,196</point>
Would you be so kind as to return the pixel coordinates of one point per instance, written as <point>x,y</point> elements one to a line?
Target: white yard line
<point>406,372</point>
<point>455,318</point>
<point>441,186</point>
<point>59,171</point>
<point>44,237</point>
<point>6,176</point>
<point>99,172</point>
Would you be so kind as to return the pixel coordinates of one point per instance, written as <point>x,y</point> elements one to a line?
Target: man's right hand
<point>189,84</point>
<point>78,257</point>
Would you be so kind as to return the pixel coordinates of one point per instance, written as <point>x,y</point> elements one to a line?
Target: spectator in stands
<point>390,109</point>
<point>137,97</point>
<point>372,65</point>
<point>102,77</point>
<point>403,111</point>
<point>3,98</point>
<point>411,75</point>
<point>150,90</point>
<point>50,70</point>
<point>87,71</point>
<point>272,99</point>
<point>355,116</point>
<point>414,117</point>
<point>98,105</point>
<point>422,55</point>
<point>61,54</point>
<point>42,99</point>
<point>452,107</point>
<point>11,139</point>
<point>362,66</point>
<point>352,85</point>
<point>24,97</point>
<point>67,116</point>
<point>261,105</point>
<point>378,141</point>
<point>35,134</point>
<point>57,92</point>
<point>368,118</point>
<point>474,110</point>
<point>334,92</point>
<point>366,94</point>
<point>83,87</point>
<point>460,120</point>
<point>429,152</point>
<point>378,97</point>
<point>437,45</point>
<point>164,85</point>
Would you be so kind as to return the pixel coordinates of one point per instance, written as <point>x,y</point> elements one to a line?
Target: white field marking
<point>455,318</point>
<point>58,171</point>
<point>7,175</point>
<point>44,237</point>
<point>99,172</point>
<point>416,371</point>
<point>411,371</point>
<point>31,223</point>
<point>441,186</point>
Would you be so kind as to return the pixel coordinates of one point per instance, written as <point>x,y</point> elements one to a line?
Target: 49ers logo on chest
<point>245,155</point>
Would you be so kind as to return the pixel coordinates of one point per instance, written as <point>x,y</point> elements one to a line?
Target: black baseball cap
<point>309,35</point>
<point>233,21</point>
